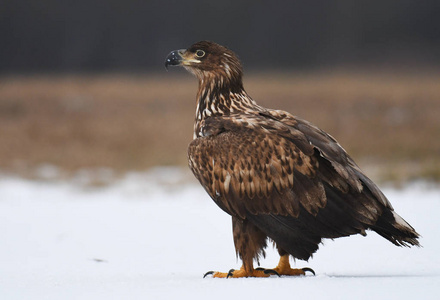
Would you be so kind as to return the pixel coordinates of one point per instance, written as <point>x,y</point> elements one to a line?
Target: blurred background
<point>83,84</point>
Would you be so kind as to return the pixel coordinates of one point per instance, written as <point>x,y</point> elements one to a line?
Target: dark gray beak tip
<point>173,59</point>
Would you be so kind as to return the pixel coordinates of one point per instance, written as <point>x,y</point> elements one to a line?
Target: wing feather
<point>260,165</point>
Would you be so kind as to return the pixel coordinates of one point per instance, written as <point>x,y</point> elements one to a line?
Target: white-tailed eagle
<point>278,176</point>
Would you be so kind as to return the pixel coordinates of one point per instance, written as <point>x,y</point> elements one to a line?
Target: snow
<point>153,236</point>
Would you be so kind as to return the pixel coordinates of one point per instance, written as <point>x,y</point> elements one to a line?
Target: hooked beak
<point>175,58</point>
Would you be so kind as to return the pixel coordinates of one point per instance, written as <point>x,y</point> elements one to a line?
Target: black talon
<point>230,273</point>
<point>208,273</point>
<point>271,272</point>
<point>310,270</point>
<point>268,271</point>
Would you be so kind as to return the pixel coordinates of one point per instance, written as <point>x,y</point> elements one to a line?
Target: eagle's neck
<point>221,95</point>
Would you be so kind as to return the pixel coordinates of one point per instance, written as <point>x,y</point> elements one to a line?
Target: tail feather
<point>395,229</point>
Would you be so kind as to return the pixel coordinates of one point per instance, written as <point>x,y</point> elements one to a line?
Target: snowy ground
<point>147,236</point>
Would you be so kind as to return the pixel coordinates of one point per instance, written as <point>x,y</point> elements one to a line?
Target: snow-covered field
<point>153,236</point>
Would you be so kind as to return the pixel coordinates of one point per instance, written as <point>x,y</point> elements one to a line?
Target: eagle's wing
<point>259,165</point>
<point>330,151</point>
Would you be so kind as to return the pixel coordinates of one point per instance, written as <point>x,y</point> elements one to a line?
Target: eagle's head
<point>208,60</point>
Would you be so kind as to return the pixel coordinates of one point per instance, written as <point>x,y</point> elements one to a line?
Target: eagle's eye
<point>200,53</point>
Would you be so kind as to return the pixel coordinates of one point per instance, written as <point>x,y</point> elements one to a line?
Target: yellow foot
<point>284,268</point>
<point>240,273</point>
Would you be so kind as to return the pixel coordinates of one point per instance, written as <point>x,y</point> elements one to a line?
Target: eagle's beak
<point>175,58</point>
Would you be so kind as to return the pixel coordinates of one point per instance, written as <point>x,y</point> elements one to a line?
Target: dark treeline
<point>135,35</point>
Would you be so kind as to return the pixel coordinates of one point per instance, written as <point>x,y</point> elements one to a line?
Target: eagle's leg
<point>249,244</point>
<point>283,267</point>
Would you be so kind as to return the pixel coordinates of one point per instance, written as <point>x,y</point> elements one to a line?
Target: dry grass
<point>390,123</point>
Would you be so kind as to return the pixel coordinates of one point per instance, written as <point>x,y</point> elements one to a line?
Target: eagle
<point>279,177</point>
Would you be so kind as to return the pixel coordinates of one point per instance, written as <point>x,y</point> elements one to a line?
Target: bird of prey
<point>279,177</point>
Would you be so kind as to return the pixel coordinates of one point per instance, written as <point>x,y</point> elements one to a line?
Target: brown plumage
<point>278,176</point>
